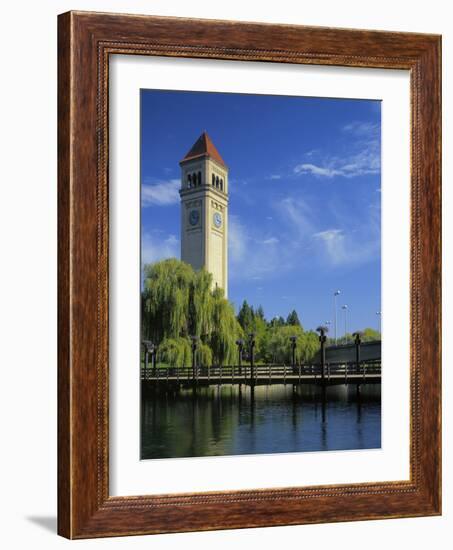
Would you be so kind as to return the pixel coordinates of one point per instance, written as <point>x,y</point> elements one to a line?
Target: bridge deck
<point>334,374</point>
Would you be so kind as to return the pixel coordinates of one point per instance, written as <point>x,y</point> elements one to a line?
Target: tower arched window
<point>199,178</point>
<point>217,182</point>
<point>213,179</point>
<point>189,181</point>
<point>221,185</point>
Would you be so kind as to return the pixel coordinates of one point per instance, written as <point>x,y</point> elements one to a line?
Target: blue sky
<point>304,186</point>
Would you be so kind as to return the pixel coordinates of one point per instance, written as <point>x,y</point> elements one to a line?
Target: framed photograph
<point>249,275</point>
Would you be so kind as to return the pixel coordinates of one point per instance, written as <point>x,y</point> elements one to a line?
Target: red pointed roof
<point>204,147</point>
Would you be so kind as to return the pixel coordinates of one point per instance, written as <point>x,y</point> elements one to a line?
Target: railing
<point>271,373</point>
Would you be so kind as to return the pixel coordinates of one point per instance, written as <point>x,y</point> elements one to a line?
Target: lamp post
<point>153,358</point>
<point>240,345</point>
<point>322,340</point>
<point>194,355</point>
<point>146,345</point>
<point>345,309</point>
<point>251,353</point>
<point>293,349</point>
<point>150,349</point>
<point>357,342</point>
<point>378,313</point>
<point>335,294</point>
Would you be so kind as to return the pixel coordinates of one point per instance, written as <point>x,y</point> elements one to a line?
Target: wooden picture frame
<point>85,41</point>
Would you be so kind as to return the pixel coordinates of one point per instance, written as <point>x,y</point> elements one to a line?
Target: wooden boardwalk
<point>332,374</point>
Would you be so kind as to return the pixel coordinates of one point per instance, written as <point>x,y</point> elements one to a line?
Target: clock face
<point>194,217</point>
<point>218,219</point>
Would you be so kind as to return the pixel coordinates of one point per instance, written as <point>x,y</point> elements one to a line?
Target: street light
<point>335,294</point>
<point>345,309</point>
<point>251,353</point>
<point>357,342</point>
<point>293,348</point>
<point>378,313</point>
<point>240,345</point>
<point>150,350</point>
<point>194,352</point>
<point>322,340</point>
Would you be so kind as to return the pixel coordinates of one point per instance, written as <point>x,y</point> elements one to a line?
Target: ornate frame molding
<point>86,40</point>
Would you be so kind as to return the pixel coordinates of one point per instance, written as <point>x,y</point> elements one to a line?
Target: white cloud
<point>162,193</point>
<point>334,243</point>
<point>329,234</point>
<point>271,240</point>
<point>363,157</point>
<point>342,244</point>
<point>298,214</point>
<point>317,170</point>
<point>358,246</point>
<point>275,177</point>
<point>360,128</point>
<point>156,248</point>
<point>365,162</point>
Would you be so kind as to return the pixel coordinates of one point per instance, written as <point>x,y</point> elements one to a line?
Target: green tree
<point>246,317</point>
<point>260,313</point>
<point>277,322</point>
<point>201,304</point>
<point>166,293</point>
<point>225,330</point>
<point>204,355</point>
<point>174,352</point>
<point>293,319</point>
<point>177,302</point>
<point>369,334</point>
<point>279,344</point>
<point>309,347</point>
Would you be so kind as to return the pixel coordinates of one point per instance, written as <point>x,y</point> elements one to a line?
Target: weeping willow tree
<point>201,304</point>
<point>174,352</point>
<point>225,331</point>
<point>165,300</point>
<point>204,357</point>
<point>178,302</point>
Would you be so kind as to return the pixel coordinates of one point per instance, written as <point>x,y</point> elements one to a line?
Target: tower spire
<point>203,147</point>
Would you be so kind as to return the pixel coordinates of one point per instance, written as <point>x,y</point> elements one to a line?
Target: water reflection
<point>227,421</point>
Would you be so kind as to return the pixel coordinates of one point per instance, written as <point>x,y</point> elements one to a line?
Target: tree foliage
<point>225,330</point>
<point>174,352</point>
<point>278,349</point>
<point>166,297</point>
<point>178,302</point>
<point>369,334</point>
<point>246,317</point>
<point>293,319</point>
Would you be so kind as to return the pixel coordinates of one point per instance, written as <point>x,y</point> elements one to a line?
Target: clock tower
<point>204,210</point>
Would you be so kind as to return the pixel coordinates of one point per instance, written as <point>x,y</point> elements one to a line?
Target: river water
<point>227,421</point>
